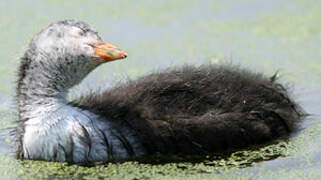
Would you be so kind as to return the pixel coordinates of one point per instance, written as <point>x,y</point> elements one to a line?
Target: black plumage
<point>192,110</point>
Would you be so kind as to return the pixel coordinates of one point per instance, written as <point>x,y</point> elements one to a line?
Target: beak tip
<point>123,55</point>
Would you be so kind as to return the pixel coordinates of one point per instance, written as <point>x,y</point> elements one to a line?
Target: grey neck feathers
<point>44,79</point>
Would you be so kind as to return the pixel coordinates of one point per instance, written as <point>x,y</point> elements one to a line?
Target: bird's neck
<point>43,86</point>
<point>39,94</point>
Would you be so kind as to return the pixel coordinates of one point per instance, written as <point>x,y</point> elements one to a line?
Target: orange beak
<point>108,52</point>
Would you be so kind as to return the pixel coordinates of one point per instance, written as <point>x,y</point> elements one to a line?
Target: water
<point>263,36</point>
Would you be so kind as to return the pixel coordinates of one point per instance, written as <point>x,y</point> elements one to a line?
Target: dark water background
<point>264,36</point>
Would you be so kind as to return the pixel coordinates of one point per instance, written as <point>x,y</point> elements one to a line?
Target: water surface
<point>264,36</point>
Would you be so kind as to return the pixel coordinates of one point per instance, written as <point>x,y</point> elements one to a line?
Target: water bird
<point>186,110</point>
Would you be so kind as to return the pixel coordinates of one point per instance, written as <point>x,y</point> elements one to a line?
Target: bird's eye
<point>81,33</point>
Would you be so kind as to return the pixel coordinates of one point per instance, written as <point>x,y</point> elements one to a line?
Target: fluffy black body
<point>197,110</point>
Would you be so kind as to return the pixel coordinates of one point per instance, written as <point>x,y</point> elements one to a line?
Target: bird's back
<point>192,110</point>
